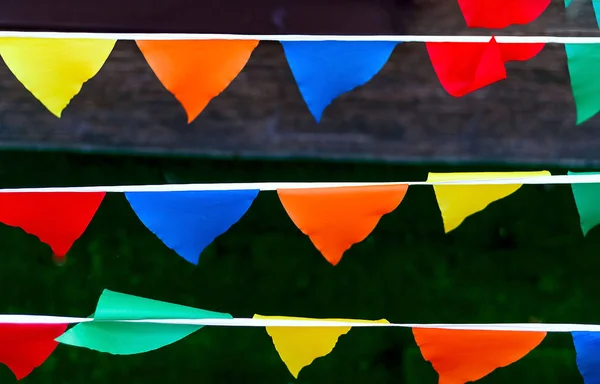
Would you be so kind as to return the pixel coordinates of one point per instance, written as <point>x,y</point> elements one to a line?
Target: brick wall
<point>402,115</point>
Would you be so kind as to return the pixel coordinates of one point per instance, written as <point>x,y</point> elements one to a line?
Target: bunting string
<point>196,68</point>
<point>125,324</point>
<point>303,323</point>
<point>467,178</point>
<point>513,39</point>
<point>187,218</point>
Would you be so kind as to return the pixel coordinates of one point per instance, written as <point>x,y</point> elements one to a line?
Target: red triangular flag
<point>24,347</point>
<point>56,218</point>
<point>465,67</point>
<point>336,218</point>
<point>460,356</point>
<point>498,14</point>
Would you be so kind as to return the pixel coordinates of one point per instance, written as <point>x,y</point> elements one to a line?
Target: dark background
<point>522,259</point>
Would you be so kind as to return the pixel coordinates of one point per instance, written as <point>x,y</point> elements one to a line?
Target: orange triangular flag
<point>336,218</point>
<point>460,356</point>
<point>196,71</point>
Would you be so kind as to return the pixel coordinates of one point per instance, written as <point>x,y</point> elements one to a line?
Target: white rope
<point>396,38</point>
<point>273,186</point>
<point>242,322</point>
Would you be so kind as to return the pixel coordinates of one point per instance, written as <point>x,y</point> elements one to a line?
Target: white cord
<point>273,186</point>
<point>243,322</point>
<point>395,38</point>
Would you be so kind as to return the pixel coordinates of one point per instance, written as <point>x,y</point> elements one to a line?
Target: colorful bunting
<point>460,356</point>
<point>124,324</point>
<point>586,199</point>
<point>189,221</point>
<point>326,69</point>
<point>457,202</point>
<point>24,347</point>
<point>583,62</point>
<point>121,338</point>
<point>56,218</point>
<point>501,14</point>
<point>587,345</point>
<point>298,347</point>
<point>336,218</point>
<point>196,71</point>
<point>466,67</point>
<point>54,70</point>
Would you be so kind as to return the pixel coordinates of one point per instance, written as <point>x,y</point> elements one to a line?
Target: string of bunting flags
<point>198,69</point>
<point>124,324</point>
<point>334,216</point>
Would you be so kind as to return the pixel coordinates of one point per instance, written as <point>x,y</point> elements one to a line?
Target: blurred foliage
<point>523,259</point>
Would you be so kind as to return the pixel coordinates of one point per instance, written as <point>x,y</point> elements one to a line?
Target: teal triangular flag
<point>583,61</point>
<point>587,197</point>
<point>121,338</point>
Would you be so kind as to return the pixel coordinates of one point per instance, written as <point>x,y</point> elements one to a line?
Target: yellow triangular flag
<point>298,347</point>
<point>54,70</point>
<point>457,202</point>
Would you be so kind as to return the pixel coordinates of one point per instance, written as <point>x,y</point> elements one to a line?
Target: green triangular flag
<point>583,62</point>
<point>121,338</point>
<point>587,201</point>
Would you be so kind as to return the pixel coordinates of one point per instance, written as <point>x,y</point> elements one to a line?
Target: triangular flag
<point>56,218</point>
<point>466,67</point>
<point>24,347</point>
<point>298,347</point>
<point>501,14</point>
<point>326,69</point>
<point>461,356</point>
<point>587,345</point>
<point>583,62</point>
<point>196,71</point>
<point>123,338</point>
<point>336,218</point>
<point>54,70</point>
<point>457,202</point>
<point>188,221</point>
<point>586,199</point>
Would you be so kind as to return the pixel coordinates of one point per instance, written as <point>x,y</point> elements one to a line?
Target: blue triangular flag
<point>326,69</point>
<point>587,345</point>
<point>188,221</point>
